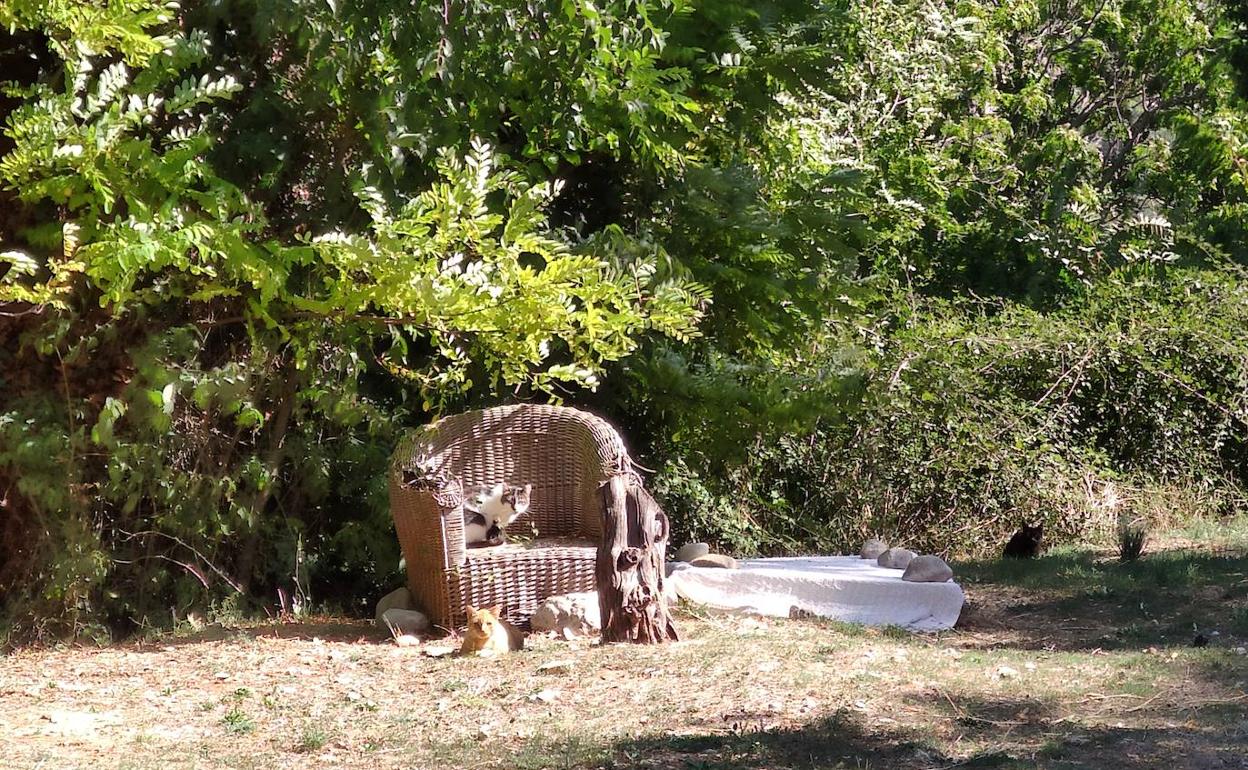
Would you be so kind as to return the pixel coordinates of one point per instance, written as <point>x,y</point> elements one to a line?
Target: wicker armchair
<point>566,454</point>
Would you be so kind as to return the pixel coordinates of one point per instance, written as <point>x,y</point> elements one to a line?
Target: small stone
<point>896,558</point>
<point>401,622</point>
<point>439,651</point>
<point>555,667</point>
<point>1005,672</point>
<point>927,569</point>
<point>715,560</point>
<point>398,599</point>
<point>690,551</point>
<point>873,548</point>
<point>568,615</point>
<point>545,696</point>
<point>407,640</point>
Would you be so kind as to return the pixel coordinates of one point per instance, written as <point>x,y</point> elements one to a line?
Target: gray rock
<point>568,615</point>
<point>398,599</point>
<point>715,560</point>
<point>928,569</point>
<point>873,548</point>
<point>690,551</point>
<point>405,622</point>
<point>896,558</point>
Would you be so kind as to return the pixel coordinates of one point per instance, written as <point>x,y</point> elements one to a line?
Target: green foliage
<point>975,418</point>
<point>1131,537</point>
<point>73,26</point>
<point>495,290</point>
<point>231,397</point>
<point>1079,164</point>
<point>917,267</point>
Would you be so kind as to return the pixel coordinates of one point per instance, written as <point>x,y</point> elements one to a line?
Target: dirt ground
<point>1072,660</point>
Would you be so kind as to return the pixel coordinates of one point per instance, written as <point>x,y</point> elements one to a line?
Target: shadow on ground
<point>1079,600</point>
<point>1002,734</point>
<point>334,630</point>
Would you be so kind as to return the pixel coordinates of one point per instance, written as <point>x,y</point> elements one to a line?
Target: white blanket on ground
<point>840,587</point>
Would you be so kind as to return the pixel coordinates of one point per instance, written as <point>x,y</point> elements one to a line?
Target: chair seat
<point>535,548</point>
<point>519,575</point>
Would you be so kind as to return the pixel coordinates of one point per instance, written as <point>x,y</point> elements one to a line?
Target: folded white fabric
<point>846,588</point>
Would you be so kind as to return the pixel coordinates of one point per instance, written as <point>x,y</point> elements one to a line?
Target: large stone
<point>715,560</point>
<point>405,622</point>
<point>398,599</point>
<point>896,558</point>
<point>568,615</point>
<point>873,548</point>
<point>927,569</point>
<point>690,551</point>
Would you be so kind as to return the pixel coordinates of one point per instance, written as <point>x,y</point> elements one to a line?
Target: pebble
<point>690,551</point>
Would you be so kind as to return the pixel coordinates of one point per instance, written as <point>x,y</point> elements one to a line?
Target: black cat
<point>1025,544</point>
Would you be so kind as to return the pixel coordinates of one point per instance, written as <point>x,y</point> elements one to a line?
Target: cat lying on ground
<point>489,509</point>
<point>488,634</point>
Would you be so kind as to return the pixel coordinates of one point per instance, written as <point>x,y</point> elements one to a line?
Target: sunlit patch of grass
<point>237,722</point>
<point>1230,532</point>
<point>312,738</point>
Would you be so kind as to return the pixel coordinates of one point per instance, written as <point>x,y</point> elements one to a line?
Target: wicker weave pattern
<point>564,453</point>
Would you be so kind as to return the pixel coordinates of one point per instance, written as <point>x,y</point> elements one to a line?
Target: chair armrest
<point>428,516</point>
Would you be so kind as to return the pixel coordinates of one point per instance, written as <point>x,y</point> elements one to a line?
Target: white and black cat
<point>488,509</point>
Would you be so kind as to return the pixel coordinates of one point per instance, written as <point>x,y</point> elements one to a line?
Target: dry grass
<point>1071,661</point>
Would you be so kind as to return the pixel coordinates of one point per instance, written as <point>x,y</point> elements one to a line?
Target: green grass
<point>312,738</point>
<point>1231,532</point>
<point>1084,569</point>
<point>237,722</point>
<point>1161,599</point>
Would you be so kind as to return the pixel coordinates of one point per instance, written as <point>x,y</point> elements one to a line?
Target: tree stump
<point>629,569</point>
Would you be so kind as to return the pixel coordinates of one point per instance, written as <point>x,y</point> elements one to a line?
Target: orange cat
<point>489,634</point>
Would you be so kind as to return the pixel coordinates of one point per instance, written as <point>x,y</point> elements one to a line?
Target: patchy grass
<point>1083,598</point>
<point>1074,660</point>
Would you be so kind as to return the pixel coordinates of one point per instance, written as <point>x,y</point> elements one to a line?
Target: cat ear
<point>528,488</point>
<point>496,610</point>
<point>470,609</point>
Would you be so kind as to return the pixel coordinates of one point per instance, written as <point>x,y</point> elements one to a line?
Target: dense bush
<point>974,418</point>
<point>918,267</point>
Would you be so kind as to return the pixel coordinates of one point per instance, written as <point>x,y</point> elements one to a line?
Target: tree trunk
<point>630,566</point>
<point>274,456</point>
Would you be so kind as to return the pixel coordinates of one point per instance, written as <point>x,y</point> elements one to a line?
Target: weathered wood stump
<point>629,569</point>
